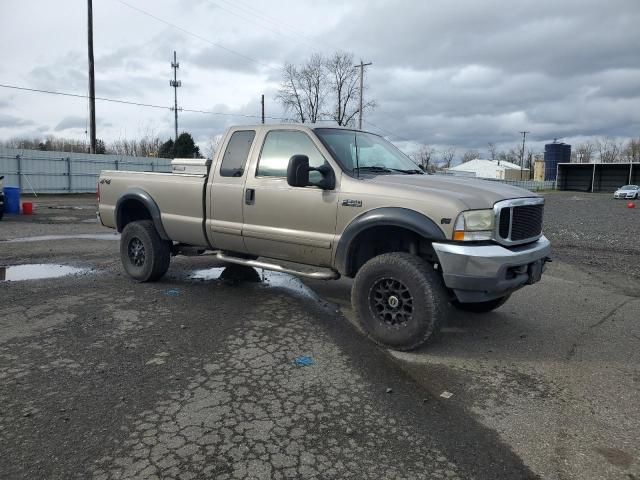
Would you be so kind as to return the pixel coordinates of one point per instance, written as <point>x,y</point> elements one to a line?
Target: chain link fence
<point>36,171</point>
<point>531,185</point>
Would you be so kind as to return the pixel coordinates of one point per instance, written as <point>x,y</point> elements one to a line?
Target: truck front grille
<point>521,222</point>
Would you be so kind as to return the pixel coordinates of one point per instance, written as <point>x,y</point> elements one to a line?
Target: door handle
<point>250,196</point>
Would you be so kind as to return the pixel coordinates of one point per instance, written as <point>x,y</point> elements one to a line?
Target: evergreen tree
<point>185,147</point>
<point>167,149</point>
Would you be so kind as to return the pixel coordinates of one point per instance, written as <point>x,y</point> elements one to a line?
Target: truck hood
<point>475,194</point>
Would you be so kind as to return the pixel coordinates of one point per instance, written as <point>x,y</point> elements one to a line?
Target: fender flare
<point>143,197</point>
<point>384,217</point>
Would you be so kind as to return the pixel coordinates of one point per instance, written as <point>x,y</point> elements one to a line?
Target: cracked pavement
<point>199,377</point>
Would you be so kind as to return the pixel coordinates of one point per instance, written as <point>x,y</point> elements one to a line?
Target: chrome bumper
<point>477,273</point>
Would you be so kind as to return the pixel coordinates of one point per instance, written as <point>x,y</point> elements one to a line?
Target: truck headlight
<point>474,225</point>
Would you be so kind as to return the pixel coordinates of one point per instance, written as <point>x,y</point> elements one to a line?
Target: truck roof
<point>310,126</point>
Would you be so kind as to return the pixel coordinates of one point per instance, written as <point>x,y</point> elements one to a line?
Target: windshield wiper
<point>374,169</point>
<point>408,172</point>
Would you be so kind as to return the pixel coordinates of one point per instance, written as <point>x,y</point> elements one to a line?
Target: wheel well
<point>375,241</point>
<point>130,211</point>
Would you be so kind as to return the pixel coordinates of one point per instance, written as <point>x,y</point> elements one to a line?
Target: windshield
<point>629,187</point>
<point>369,152</point>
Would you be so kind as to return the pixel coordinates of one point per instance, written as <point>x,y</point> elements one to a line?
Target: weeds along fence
<point>65,172</point>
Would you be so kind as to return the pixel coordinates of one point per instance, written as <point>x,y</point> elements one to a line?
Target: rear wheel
<point>144,255</point>
<point>400,300</point>
<point>482,307</point>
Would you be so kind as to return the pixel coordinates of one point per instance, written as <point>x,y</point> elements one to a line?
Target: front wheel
<point>400,300</point>
<point>144,255</point>
<point>482,307</point>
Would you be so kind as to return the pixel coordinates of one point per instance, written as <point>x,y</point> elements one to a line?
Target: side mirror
<point>298,174</point>
<point>298,171</point>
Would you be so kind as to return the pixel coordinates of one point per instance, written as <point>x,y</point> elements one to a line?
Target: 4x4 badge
<point>351,203</point>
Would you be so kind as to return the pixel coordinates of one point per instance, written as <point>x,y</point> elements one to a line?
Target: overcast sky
<point>448,73</point>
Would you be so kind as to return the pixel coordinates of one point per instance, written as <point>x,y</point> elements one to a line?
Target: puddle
<point>85,236</point>
<point>37,271</point>
<point>271,279</point>
<point>68,207</point>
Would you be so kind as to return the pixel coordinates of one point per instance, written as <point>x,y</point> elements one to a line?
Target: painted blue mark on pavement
<point>174,292</point>
<point>304,361</point>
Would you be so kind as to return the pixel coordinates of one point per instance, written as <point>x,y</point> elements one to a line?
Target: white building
<point>496,169</point>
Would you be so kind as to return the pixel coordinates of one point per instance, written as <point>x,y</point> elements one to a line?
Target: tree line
<point>605,150</point>
<point>149,145</point>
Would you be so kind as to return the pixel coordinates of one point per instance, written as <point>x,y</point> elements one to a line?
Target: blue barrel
<point>12,200</point>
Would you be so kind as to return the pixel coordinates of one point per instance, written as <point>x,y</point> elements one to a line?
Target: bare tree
<point>303,90</point>
<point>212,146</point>
<point>632,150</point>
<point>470,155</point>
<point>609,150</point>
<point>424,156</point>
<point>493,150</point>
<point>584,152</point>
<point>512,155</point>
<point>290,93</point>
<point>344,88</point>
<point>306,89</point>
<point>313,76</point>
<point>447,157</point>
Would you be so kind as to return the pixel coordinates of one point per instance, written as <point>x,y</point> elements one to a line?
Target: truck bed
<point>179,197</point>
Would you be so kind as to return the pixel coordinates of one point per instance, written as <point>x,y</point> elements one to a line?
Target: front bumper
<point>478,273</point>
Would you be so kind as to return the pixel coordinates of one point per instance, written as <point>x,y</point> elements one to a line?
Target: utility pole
<point>92,87</point>
<point>361,67</point>
<point>524,136</point>
<point>175,83</point>
<point>262,102</point>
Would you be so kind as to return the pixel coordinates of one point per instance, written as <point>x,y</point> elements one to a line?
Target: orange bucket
<point>27,208</point>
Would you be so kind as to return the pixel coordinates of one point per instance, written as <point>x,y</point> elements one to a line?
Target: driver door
<point>283,222</point>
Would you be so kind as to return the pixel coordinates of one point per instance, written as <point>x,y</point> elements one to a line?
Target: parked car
<point>336,202</point>
<point>628,191</point>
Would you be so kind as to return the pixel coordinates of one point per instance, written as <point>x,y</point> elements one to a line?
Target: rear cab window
<point>235,155</point>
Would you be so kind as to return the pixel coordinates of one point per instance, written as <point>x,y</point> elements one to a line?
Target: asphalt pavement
<point>197,377</point>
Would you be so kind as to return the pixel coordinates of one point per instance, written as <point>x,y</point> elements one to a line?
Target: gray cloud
<point>71,122</point>
<point>10,121</point>
<point>448,73</point>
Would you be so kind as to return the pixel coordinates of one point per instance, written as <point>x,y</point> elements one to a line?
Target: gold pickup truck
<point>324,202</point>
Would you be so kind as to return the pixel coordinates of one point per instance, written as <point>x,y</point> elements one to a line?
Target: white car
<point>628,191</point>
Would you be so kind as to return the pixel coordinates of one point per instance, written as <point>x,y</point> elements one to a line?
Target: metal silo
<point>555,153</point>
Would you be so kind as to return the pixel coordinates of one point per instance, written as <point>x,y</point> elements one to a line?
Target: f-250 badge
<point>351,203</point>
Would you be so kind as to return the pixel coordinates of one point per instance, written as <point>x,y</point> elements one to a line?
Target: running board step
<point>318,275</point>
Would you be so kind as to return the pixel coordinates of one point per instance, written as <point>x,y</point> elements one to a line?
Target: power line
<point>282,29</point>
<point>195,35</point>
<point>137,104</point>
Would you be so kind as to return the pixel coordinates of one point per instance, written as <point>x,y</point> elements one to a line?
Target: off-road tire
<point>144,255</point>
<point>405,277</point>
<point>482,307</point>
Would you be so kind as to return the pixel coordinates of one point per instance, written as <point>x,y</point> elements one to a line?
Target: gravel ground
<point>594,231</point>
